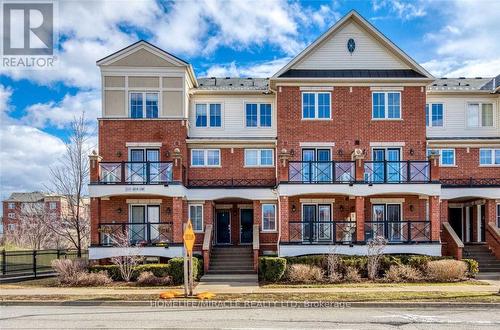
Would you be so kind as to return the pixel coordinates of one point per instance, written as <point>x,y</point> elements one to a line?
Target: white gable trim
<point>371,29</point>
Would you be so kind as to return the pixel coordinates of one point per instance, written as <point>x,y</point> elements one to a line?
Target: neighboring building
<point>463,125</point>
<point>331,150</point>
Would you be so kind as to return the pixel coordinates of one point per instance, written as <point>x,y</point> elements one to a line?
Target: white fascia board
<point>428,189</point>
<point>291,250</point>
<point>451,193</point>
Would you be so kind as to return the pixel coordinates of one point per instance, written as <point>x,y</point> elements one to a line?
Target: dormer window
<point>143,105</point>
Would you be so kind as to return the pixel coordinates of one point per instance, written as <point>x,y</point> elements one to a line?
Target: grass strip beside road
<point>475,297</point>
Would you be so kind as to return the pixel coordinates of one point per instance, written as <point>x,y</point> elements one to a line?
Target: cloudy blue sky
<point>220,38</point>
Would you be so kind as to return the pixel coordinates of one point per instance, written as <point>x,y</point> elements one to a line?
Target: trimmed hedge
<point>174,268</point>
<point>271,269</point>
<point>177,269</point>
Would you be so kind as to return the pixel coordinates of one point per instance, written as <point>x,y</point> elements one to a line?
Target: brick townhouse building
<point>341,145</point>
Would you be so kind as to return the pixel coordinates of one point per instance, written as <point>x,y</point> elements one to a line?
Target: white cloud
<point>467,44</point>
<point>5,95</point>
<point>62,113</point>
<point>91,30</point>
<point>259,70</point>
<point>405,10</point>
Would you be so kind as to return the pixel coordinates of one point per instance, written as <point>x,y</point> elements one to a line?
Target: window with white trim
<point>208,115</point>
<point>258,115</point>
<point>480,115</point>
<point>446,156</point>
<point>11,215</point>
<point>11,206</point>
<point>52,205</point>
<point>143,104</point>
<point>489,157</point>
<point>196,216</point>
<point>316,105</point>
<point>386,105</point>
<point>434,115</point>
<point>205,157</point>
<point>259,157</point>
<point>11,226</point>
<point>268,217</point>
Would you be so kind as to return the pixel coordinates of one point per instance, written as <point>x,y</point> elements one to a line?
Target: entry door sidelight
<point>223,230</point>
<point>246,226</point>
<point>309,221</point>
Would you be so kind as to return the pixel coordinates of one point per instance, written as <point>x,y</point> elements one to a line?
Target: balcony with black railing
<point>399,231</point>
<point>231,183</point>
<point>321,232</point>
<point>135,172</point>
<point>470,183</point>
<point>321,172</point>
<point>135,234</point>
<point>409,171</point>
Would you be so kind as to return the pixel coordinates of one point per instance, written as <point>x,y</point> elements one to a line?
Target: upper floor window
<point>208,115</point>
<point>386,105</point>
<point>205,157</point>
<point>196,216</point>
<point>259,157</point>
<point>11,206</point>
<point>446,156</point>
<point>434,115</point>
<point>52,205</point>
<point>479,115</point>
<point>11,215</point>
<point>489,157</point>
<point>316,105</point>
<point>143,105</point>
<point>258,115</point>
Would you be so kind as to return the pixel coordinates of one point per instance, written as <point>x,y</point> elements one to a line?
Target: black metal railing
<point>135,234</point>
<point>409,171</point>
<point>135,172</point>
<point>399,231</point>
<point>470,182</point>
<point>231,183</point>
<point>326,232</point>
<point>321,172</point>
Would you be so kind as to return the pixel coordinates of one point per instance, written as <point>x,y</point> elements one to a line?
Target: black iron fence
<point>409,171</point>
<point>231,183</point>
<point>470,182</point>
<point>321,172</point>
<point>325,232</point>
<point>135,234</point>
<point>135,172</point>
<point>33,263</point>
<point>399,231</point>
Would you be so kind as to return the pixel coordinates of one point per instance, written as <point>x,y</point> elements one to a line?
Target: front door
<point>223,230</point>
<point>317,166</point>
<point>246,226</point>
<point>308,222</point>
<point>482,224</point>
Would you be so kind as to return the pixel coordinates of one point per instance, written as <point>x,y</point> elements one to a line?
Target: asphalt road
<point>126,317</point>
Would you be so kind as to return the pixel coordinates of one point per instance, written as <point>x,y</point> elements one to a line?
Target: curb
<point>249,304</point>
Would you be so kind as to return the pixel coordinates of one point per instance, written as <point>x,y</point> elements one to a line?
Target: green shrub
<point>158,270</point>
<point>272,269</point>
<point>419,262</point>
<point>113,271</point>
<point>176,269</point>
<point>473,267</point>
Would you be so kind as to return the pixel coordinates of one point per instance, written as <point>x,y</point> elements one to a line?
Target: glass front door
<point>144,223</point>
<point>387,166</point>
<point>138,166</point>
<point>386,222</point>
<point>308,222</point>
<point>317,165</point>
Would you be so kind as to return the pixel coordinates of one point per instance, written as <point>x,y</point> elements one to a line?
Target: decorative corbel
<point>284,156</point>
<point>358,155</point>
<point>177,156</point>
<point>94,159</point>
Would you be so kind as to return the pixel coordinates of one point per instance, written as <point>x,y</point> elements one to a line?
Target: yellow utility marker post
<point>189,238</point>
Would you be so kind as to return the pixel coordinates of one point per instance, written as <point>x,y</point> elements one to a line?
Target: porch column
<point>177,170</point>
<point>257,225</point>
<point>435,218</point>
<point>444,211</point>
<point>178,218</point>
<point>359,166</point>
<point>360,218</point>
<point>208,219</point>
<point>208,213</point>
<point>284,217</point>
<point>257,213</point>
<point>95,219</point>
<point>490,212</point>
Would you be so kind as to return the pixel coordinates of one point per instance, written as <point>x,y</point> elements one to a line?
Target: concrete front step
<point>488,276</point>
<point>230,271</point>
